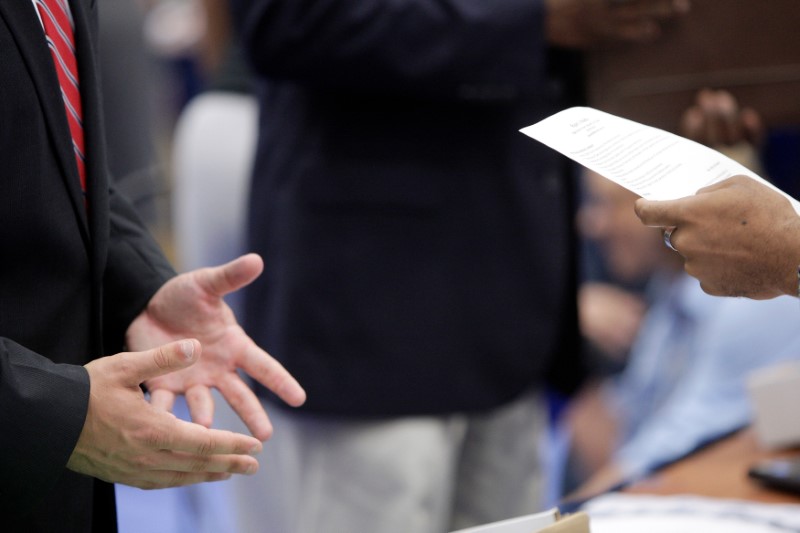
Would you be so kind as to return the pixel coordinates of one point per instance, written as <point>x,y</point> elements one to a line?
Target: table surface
<point>720,471</point>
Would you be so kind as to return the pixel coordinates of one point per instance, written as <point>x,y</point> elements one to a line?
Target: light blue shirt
<point>686,378</point>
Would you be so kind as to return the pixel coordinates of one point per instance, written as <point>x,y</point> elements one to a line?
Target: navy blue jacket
<point>419,250</point>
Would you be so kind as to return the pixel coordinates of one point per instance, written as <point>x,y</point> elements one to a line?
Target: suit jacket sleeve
<point>45,404</point>
<point>135,269</point>
<point>455,49</point>
<point>55,396</point>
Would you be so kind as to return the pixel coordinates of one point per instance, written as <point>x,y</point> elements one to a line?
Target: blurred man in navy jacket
<point>421,268</point>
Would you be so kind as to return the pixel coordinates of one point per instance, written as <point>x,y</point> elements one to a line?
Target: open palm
<point>191,305</point>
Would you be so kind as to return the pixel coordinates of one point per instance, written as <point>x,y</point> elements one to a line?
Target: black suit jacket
<point>71,278</point>
<point>419,250</point>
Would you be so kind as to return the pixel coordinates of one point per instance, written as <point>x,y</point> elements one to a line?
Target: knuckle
<point>207,446</point>
<point>199,464</point>
<point>143,462</point>
<point>155,439</point>
<point>124,365</point>
<point>161,358</point>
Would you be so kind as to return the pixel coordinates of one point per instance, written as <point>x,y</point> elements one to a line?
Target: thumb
<point>141,366</point>
<point>231,276</point>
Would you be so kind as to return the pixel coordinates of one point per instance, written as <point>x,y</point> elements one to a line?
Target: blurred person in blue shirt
<point>684,383</point>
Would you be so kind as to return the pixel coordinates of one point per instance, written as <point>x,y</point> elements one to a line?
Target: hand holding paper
<point>739,236</point>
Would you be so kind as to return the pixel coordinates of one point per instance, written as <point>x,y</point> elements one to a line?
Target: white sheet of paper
<point>523,524</point>
<point>651,162</point>
<point>634,513</point>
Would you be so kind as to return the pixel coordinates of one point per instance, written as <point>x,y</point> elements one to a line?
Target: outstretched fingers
<point>246,404</point>
<point>177,435</point>
<point>182,453</point>
<point>270,373</point>
<point>201,404</point>
<point>162,399</point>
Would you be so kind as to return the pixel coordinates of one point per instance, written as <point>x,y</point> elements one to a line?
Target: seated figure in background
<point>684,383</point>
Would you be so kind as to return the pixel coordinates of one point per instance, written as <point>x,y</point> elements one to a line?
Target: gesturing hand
<point>191,305</point>
<point>127,440</point>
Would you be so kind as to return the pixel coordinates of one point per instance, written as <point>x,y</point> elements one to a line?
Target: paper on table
<point>634,513</point>
<point>523,524</point>
<point>651,162</point>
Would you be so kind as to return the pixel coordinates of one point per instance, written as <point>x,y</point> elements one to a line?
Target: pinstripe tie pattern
<point>59,31</point>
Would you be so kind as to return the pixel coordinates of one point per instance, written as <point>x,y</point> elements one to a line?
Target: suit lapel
<point>27,30</point>
<point>85,16</point>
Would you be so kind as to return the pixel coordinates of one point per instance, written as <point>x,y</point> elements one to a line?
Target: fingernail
<point>255,449</point>
<point>252,469</point>
<point>188,349</point>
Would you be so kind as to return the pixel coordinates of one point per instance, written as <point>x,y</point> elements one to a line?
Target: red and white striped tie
<point>59,31</point>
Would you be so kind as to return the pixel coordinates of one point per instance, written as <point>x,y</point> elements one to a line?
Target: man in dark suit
<point>80,278</point>
<point>421,268</point>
